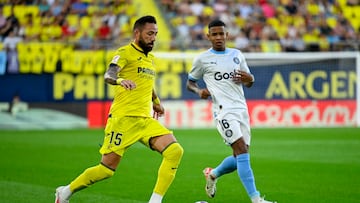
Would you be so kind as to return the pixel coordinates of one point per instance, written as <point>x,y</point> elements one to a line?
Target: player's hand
<point>128,84</point>
<point>242,77</point>
<point>204,93</point>
<point>158,110</point>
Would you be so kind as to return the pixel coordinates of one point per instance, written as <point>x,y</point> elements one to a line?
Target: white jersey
<point>217,68</point>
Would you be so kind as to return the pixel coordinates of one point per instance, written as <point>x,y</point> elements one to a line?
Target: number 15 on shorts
<point>115,138</point>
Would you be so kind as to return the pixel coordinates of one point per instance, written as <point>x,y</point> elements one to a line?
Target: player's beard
<point>145,46</point>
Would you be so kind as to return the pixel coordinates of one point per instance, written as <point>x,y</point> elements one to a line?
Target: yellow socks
<point>90,176</point>
<point>171,159</point>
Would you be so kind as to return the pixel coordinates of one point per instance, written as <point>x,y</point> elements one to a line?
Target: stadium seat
<point>270,46</point>
<point>331,21</point>
<point>191,20</point>
<point>348,12</point>
<point>85,22</point>
<point>313,9</point>
<point>355,22</point>
<point>73,20</point>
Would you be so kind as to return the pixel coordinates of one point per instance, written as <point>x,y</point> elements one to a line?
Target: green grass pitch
<point>291,165</point>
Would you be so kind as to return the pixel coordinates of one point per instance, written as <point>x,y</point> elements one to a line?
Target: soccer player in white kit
<point>225,72</point>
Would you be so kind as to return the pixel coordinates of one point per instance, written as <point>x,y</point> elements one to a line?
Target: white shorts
<point>232,125</point>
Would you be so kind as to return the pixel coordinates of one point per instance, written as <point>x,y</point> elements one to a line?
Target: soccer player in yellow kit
<point>133,73</point>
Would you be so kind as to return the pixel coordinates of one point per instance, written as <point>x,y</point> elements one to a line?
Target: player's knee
<point>105,172</point>
<point>174,152</point>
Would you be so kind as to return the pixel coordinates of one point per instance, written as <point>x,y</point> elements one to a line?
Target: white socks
<point>155,198</point>
<point>66,193</point>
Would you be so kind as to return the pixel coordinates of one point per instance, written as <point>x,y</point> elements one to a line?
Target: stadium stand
<point>266,24</point>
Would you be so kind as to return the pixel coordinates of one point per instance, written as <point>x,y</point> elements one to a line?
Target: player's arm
<point>157,107</point>
<point>193,87</point>
<point>111,77</point>
<point>243,77</point>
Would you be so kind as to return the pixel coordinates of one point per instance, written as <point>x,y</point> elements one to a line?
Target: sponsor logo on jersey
<point>236,60</point>
<point>224,76</point>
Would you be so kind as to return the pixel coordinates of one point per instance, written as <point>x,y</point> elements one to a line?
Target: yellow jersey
<point>138,67</point>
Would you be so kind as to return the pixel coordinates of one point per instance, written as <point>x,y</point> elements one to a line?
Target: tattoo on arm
<point>110,75</point>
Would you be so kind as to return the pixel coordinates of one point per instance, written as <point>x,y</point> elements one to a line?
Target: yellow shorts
<point>122,132</point>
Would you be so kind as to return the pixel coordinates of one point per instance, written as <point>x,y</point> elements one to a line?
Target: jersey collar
<point>137,47</point>
<point>219,52</point>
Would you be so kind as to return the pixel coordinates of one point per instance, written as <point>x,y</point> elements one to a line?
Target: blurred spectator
<point>43,6</point>
<point>292,43</point>
<point>245,9</point>
<point>85,42</point>
<point>12,24</point>
<point>29,31</point>
<point>320,24</point>
<point>197,33</point>
<point>183,8</point>
<point>110,17</point>
<point>197,7</point>
<point>56,7</point>
<point>51,31</point>
<point>11,41</point>
<point>182,37</point>
<point>10,45</point>
<point>2,20</point>
<point>68,31</point>
<point>291,7</point>
<point>267,8</point>
<point>242,42</point>
<point>104,31</point>
<point>324,27</point>
<point>79,7</point>
<point>16,105</point>
<point>220,6</point>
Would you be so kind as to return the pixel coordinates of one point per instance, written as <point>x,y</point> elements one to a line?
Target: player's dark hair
<point>143,20</point>
<point>215,23</point>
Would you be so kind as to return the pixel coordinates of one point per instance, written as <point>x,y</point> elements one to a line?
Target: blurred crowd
<point>88,24</point>
<point>253,25</point>
<point>268,25</point>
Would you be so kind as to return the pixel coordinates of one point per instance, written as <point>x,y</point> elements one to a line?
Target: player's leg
<point>105,169</point>
<point>172,153</point>
<point>239,140</point>
<point>96,173</point>
<point>159,138</point>
<point>228,165</point>
<point>90,176</point>
<point>241,151</point>
<point>244,169</point>
<point>240,148</point>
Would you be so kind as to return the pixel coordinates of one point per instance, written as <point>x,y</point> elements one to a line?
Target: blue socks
<point>242,163</point>
<point>246,174</point>
<point>228,165</point>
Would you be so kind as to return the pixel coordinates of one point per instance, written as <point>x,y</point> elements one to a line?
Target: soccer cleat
<point>261,200</point>
<point>210,187</point>
<point>59,196</point>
